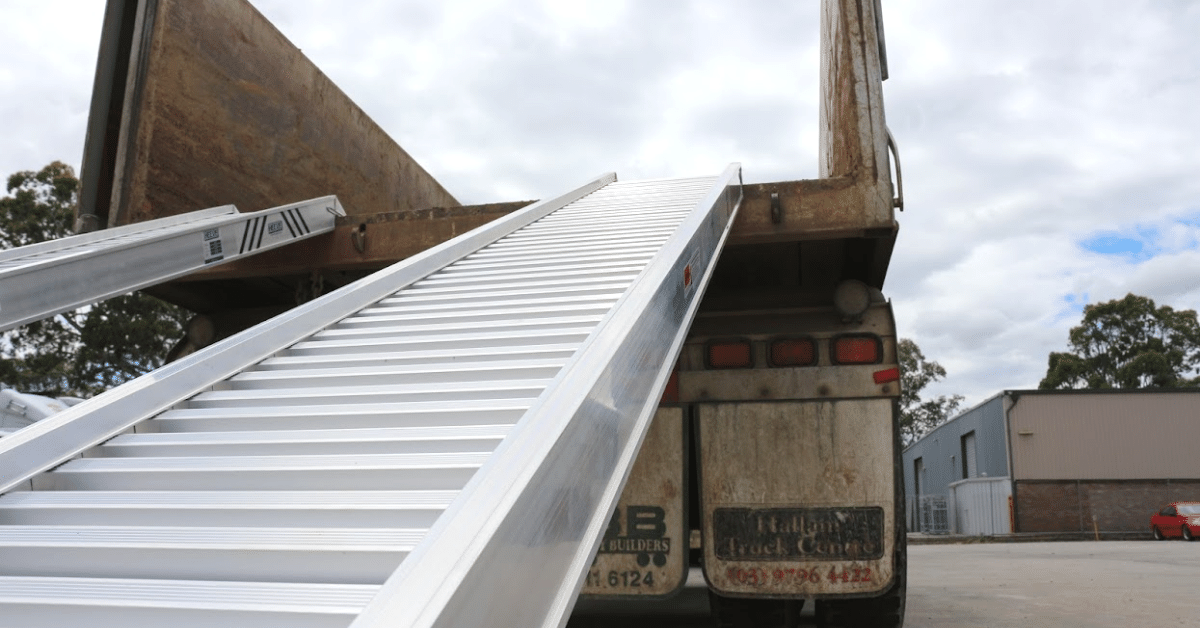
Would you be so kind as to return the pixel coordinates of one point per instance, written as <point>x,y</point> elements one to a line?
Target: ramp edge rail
<point>541,503</point>
<point>41,280</point>
<point>115,232</point>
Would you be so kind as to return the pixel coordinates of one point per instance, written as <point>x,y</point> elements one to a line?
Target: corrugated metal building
<point>1077,461</point>
<point>971,445</point>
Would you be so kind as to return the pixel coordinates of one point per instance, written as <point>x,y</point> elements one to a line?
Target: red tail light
<point>730,354</point>
<point>671,392</point>
<point>857,350</point>
<point>793,352</point>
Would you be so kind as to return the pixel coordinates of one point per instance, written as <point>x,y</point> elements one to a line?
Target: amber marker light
<point>793,352</point>
<point>857,350</point>
<point>730,354</point>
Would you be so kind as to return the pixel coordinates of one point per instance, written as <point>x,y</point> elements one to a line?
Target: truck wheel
<point>885,611</point>
<point>729,612</point>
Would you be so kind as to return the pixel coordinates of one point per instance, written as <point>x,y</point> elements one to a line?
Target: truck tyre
<point>730,612</point>
<point>885,611</point>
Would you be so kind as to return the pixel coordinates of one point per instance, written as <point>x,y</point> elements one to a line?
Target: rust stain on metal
<point>810,209</point>
<point>225,110</point>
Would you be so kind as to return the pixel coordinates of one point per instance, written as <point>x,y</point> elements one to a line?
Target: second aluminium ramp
<point>437,445</point>
<point>48,278</point>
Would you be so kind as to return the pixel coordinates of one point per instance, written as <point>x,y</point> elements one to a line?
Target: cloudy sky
<point>1051,149</point>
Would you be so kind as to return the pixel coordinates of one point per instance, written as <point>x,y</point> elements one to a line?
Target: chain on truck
<point>771,466</point>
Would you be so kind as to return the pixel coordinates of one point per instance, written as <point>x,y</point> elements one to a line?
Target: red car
<point>1178,519</point>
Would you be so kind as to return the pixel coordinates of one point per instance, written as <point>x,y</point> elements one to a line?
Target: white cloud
<point>1025,128</point>
<point>47,64</point>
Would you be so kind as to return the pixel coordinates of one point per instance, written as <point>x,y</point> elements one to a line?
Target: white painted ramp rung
<point>260,554</point>
<point>45,279</point>
<point>48,602</point>
<point>407,451</point>
<point>385,440</point>
<point>342,509</point>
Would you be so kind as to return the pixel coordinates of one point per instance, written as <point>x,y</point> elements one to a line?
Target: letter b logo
<point>645,522</point>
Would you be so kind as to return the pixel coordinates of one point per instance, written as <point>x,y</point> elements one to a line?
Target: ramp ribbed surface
<point>287,494</point>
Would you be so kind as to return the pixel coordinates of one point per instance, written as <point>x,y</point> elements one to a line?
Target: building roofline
<point>956,418</point>
<point>1103,391</point>
<point>1016,394</point>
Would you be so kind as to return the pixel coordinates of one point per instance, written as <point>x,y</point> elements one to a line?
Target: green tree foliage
<point>919,416</point>
<point>89,350</point>
<point>1128,343</point>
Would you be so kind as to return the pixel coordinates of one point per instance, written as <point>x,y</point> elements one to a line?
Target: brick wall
<point>1046,506</point>
<point>1118,505</point>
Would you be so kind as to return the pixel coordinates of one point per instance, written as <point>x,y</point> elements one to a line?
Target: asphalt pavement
<point>1070,584</point>
<point>1074,584</point>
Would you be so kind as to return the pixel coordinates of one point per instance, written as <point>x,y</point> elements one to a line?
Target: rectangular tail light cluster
<point>730,354</point>
<point>792,352</point>
<point>857,349</point>
<point>738,353</point>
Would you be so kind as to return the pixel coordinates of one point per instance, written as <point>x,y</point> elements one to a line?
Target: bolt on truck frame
<point>772,464</point>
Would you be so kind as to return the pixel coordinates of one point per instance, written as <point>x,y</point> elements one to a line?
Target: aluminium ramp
<point>439,444</point>
<point>41,280</point>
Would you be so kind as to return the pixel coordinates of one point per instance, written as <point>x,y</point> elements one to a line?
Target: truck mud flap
<point>797,498</point>
<point>644,551</point>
